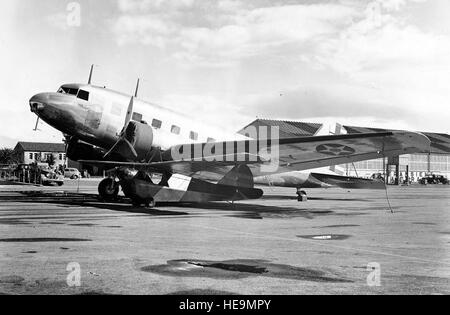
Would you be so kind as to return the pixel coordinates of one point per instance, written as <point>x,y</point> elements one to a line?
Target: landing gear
<point>108,189</point>
<point>301,195</point>
<point>165,179</point>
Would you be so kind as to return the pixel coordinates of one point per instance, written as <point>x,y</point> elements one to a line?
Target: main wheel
<point>108,189</point>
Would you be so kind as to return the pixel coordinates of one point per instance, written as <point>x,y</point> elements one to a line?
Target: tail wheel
<point>108,189</point>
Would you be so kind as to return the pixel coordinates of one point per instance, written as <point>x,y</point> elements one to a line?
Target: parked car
<point>434,179</point>
<point>378,176</point>
<point>72,173</point>
<point>50,178</point>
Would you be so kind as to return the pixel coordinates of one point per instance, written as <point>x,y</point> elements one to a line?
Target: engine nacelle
<point>140,137</point>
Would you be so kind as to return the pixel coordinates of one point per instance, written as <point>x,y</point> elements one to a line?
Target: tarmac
<point>62,240</point>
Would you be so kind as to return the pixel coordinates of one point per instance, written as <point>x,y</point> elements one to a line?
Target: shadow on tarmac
<point>239,210</point>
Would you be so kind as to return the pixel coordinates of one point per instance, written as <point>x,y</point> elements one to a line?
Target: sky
<point>380,63</point>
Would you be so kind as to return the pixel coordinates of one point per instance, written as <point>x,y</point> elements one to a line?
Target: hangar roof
<point>440,142</point>
<point>288,129</point>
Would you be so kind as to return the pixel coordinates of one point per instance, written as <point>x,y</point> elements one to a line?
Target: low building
<point>39,152</point>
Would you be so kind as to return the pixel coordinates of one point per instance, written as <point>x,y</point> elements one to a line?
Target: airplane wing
<point>294,154</point>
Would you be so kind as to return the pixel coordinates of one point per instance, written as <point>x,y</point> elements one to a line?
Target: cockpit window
<point>67,90</point>
<point>84,95</point>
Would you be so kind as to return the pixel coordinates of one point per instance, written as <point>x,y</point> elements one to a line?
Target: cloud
<point>408,66</point>
<point>377,62</point>
<point>146,29</point>
<point>145,5</point>
<point>58,20</point>
<point>336,100</point>
<point>208,107</point>
<point>365,60</point>
<point>225,35</point>
<point>379,40</point>
<point>230,5</point>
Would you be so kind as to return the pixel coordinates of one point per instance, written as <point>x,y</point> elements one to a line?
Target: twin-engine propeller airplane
<point>196,162</point>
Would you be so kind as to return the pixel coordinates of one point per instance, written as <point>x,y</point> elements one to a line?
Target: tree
<point>8,156</point>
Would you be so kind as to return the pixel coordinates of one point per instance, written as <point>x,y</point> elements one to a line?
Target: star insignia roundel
<point>335,149</point>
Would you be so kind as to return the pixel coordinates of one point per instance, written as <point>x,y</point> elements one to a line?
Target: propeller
<point>122,137</point>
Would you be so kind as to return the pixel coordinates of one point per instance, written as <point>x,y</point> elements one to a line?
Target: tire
<point>108,189</point>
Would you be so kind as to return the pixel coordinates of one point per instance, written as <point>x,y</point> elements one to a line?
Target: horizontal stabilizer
<point>349,182</point>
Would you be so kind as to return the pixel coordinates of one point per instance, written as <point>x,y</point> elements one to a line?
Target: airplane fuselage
<point>96,115</point>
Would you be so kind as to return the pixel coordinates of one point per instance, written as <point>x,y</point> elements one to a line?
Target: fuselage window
<point>84,95</point>
<point>175,129</point>
<point>193,136</point>
<point>211,140</point>
<point>137,117</point>
<point>156,123</point>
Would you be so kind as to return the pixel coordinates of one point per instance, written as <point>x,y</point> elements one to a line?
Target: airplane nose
<point>37,102</point>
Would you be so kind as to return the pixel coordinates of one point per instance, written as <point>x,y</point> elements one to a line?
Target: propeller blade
<point>112,148</point>
<point>129,112</point>
<point>124,148</point>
